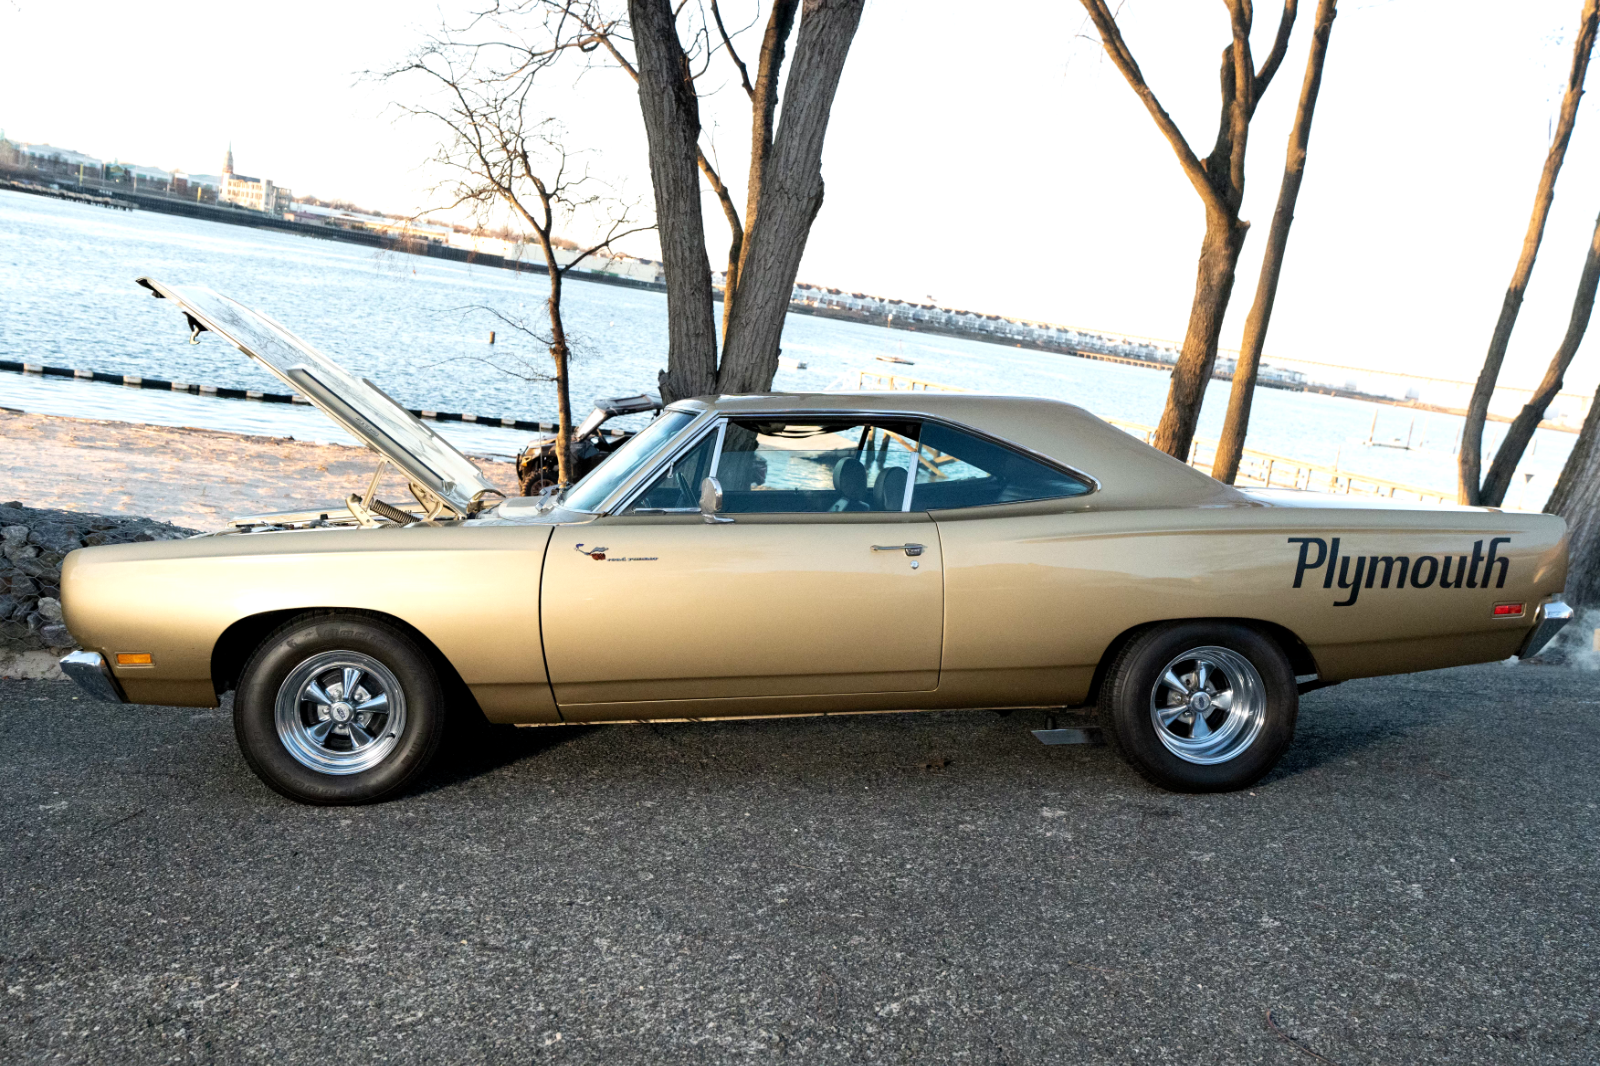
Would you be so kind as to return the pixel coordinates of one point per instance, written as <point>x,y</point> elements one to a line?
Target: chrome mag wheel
<point>1208,705</point>
<point>340,712</point>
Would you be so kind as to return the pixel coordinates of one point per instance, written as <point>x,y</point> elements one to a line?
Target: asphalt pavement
<point>1415,884</point>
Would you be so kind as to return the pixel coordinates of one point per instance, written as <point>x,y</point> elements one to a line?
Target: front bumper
<point>1548,621</point>
<point>90,670</point>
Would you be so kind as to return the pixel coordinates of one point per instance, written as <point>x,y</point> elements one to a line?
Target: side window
<point>784,466</point>
<point>956,469</point>
<point>678,487</point>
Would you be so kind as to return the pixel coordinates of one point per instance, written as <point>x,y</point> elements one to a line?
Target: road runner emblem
<point>597,554</point>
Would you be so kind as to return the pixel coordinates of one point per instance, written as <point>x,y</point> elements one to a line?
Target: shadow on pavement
<point>1331,728</point>
<point>483,748</point>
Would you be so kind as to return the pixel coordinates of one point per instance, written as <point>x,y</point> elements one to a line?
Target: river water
<point>419,327</point>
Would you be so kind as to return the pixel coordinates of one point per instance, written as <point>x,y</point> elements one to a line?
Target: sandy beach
<point>192,477</point>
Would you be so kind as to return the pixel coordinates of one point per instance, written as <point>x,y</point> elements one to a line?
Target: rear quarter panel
<point>474,592</point>
<point>1035,595</point>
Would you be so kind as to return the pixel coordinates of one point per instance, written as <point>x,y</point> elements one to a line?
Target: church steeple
<point>227,162</point>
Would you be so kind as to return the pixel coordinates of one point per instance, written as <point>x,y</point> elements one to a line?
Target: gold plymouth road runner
<point>830,553</point>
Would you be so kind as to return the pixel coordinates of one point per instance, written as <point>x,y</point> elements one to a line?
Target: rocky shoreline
<point>33,544</point>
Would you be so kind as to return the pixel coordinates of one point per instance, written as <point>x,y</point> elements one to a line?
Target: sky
<point>986,155</point>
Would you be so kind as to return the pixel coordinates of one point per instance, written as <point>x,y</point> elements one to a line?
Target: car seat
<point>850,481</point>
<point>889,491</point>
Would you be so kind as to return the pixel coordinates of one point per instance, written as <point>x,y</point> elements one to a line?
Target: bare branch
<point>727,42</point>
<point>1117,49</point>
<point>611,238</point>
<point>1280,47</point>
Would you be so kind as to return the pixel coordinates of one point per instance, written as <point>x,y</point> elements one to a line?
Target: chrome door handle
<point>909,549</point>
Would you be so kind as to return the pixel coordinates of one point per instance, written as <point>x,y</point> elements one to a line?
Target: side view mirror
<point>711,500</point>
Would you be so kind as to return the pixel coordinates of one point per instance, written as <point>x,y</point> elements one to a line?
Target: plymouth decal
<point>1355,572</point>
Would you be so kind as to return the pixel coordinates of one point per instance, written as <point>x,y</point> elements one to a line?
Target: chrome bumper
<point>1548,621</point>
<point>93,675</point>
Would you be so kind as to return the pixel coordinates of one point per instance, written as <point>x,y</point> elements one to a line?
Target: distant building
<point>49,153</point>
<point>258,194</point>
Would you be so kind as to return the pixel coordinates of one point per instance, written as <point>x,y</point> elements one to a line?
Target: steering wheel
<point>691,495</point>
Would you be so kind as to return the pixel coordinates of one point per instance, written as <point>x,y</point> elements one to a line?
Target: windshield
<point>590,492</point>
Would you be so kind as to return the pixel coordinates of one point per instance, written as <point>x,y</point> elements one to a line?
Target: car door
<point>817,582</point>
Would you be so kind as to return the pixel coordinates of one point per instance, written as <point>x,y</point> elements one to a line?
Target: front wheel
<point>338,710</point>
<point>1200,706</point>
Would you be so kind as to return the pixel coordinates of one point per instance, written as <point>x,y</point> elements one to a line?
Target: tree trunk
<point>1471,458</point>
<point>1219,181</point>
<point>671,114</point>
<point>1237,424</point>
<point>1219,256</point>
<point>558,354</point>
<point>1498,480</point>
<point>789,199</point>
<point>1577,499</point>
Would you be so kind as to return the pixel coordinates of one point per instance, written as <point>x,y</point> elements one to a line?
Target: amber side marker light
<point>142,658</point>
<point>1508,610</point>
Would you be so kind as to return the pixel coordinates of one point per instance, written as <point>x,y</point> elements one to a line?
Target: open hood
<point>354,403</point>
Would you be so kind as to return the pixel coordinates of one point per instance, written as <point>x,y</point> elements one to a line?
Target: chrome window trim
<point>716,452</point>
<point>720,420</point>
<point>911,475</point>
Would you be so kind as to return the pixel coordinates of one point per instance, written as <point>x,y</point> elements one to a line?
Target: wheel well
<point>239,641</point>
<point>1299,656</point>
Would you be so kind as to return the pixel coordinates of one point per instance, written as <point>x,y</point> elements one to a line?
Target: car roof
<point>1130,473</point>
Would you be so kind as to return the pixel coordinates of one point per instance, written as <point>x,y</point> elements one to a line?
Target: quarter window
<point>956,469</point>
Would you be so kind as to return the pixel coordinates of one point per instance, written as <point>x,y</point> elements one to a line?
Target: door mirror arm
<point>711,502</point>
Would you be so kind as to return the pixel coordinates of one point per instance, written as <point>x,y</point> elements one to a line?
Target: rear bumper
<point>90,670</point>
<point>1548,621</point>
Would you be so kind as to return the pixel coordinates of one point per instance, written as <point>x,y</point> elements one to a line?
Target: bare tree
<point>499,153</point>
<point>667,49</point>
<point>1498,481</point>
<point>1470,461</point>
<point>1219,181</point>
<point>1231,448</point>
<point>785,189</point>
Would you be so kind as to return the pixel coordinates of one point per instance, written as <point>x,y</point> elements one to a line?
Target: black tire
<point>537,482</point>
<point>405,731</point>
<point>1233,746</point>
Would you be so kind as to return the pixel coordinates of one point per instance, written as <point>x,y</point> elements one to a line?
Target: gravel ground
<point>1416,883</point>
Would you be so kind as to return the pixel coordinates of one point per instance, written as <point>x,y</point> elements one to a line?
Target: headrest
<point>889,493</point>
<point>850,478</point>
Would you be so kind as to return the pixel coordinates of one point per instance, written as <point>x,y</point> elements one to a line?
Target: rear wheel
<point>1200,706</point>
<point>338,710</point>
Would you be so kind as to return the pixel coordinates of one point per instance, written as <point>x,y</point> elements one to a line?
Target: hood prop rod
<point>367,509</point>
